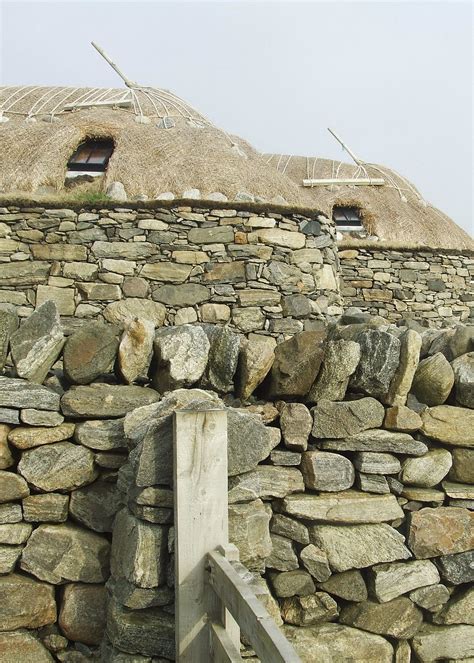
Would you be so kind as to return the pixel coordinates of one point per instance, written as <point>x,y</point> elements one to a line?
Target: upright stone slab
<point>8,325</point>
<point>36,345</point>
<point>256,357</point>
<point>340,361</point>
<point>181,355</point>
<point>380,356</point>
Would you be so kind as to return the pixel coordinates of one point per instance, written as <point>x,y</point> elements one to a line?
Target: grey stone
<point>248,319</point>
<point>292,583</point>
<point>36,345</point>
<point>346,507</point>
<point>441,531</point>
<point>101,434</point>
<point>25,603</point>
<point>402,380</point>
<point>380,355</point>
<point>14,533</point>
<point>12,487</point>
<point>259,441</point>
<point>9,416</point>
<point>296,306</point>
<point>334,643</point>
<point>283,556</point>
<point>307,610</point>
<point>376,463</point>
<point>340,361</point>
<point>9,556</point>
<point>463,368</point>
<point>95,505</point>
<point>285,458</point>
<point>459,610</point>
<point>188,294</point>
<point>296,423</point>
<point>181,355</point>
<point>339,420</point>
<point>449,425</point>
<point>22,394</point>
<point>256,357</point>
<point>297,362</point>
<point>59,553</point>
<point>249,531</point>
<point>359,546</point>
<point>29,272</point>
<point>378,440</point>
<point>89,352</point>
<point>28,438</point>
<point>104,400</point>
<point>433,381</point>
<point>149,632</point>
<point>265,482</point>
<point>434,643</point>
<point>51,507</point>
<point>139,551</point>
<point>83,613</point>
<point>326,471</point>
<point>392,580</point>
<point>348,585</point>
<point>34,417</point>
<point>315,562</point>
<point>23,646</point>
<point>136,350</point>
<point>137,598</point>
<point>124,311</point>
<point>125,250</point>
<point>94,292</point>
<point>222,359</point>
<point>430,597</point>
<point>428,470</point>
<point>373,483</point>
<point>399,618</point>
<point>10,513</point>
<point>289,527</point>
<point>214,235</point>
<point>59,466</point>
<point>8,325</point>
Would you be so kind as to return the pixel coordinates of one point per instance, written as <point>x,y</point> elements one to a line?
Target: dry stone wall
<point>436,287</point>
<point>253,271</point>
<point>351,484</point>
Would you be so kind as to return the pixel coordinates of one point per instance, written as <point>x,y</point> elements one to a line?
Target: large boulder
<point>297,363</point>
<point>124,311</point>
<point>222,360</point>
<point>449,425</point>
<point>441,531</point>
<point>463,368</point>
<point>428,470</point>
<point>25,603</point>
<point>339,420</point>
<point>36,345</point>
<point>83,613</point>
<point>256,357</point>
<point>105,400</point>
<point>433,381</point>
<point>334,643</point>
<point>380,356</point>
<point>89,352</point>
<point>181,355</point>
<point>61,553</point>
<point>392,580</point>
<point>399,618</point>
<point>340,361</point>
<point>61,466</point>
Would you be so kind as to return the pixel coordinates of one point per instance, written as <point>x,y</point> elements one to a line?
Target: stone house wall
<point>435,286</point>
<point>264,272</point>
<point>351,477</point>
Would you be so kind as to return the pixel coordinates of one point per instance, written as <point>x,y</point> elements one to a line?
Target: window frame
<point>92,155</point>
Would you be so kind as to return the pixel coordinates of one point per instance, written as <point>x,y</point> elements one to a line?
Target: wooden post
<point>201,525</point>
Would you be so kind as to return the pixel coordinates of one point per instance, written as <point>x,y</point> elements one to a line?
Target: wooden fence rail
<point>213,601</point>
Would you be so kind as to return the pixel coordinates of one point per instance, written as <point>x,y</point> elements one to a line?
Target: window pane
<point>92,155</point>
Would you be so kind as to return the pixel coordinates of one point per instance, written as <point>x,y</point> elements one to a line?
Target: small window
<point>91,156</point>
<point>347,218</point>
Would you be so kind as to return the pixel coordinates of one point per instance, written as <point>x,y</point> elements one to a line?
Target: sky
<point>394,79</point>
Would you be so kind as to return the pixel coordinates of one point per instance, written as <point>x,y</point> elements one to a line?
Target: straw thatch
<point>38,136</point>
<point>394,212</point>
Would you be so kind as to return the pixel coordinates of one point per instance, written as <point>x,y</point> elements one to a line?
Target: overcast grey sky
<point>393,78</point>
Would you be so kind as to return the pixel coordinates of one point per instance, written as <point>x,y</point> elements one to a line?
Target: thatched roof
<point>39,134</point>
<point>394,212</point>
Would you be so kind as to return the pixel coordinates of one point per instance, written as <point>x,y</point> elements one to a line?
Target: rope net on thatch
<point>161,144</point>
<point>393,212</point>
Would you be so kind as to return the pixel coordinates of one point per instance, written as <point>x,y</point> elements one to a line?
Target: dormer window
<point>347,219</point>
<point>91,157</point>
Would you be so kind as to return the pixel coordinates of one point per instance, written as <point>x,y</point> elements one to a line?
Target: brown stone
<point>25,603</point>
<point>83,613</point>
<point>449,424</point>
<point>441,531</point>
<point>401,418</point>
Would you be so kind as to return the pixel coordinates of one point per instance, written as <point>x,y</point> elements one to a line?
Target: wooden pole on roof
<point>126,80</point>
<point>345,147</point>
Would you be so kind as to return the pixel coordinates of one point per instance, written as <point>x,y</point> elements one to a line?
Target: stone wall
<point>433,286</point>
<point>351,484</point>
<point>254,271</point>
